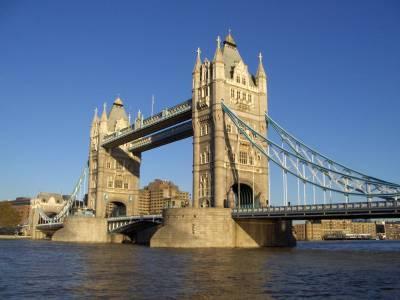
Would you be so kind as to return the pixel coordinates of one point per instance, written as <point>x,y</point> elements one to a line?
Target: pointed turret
<point>118,101</point>
<point>229,39</point>
<point>104,114</point>
<point>260,71</point>
<point>218,62</point>
<point>117,119</point>
<point>231,55</point>
<point>198,61</point>
<point>103,120</point>
<point>218,57</point>
<point>261,77</point>
<point>95,117</point>
<point>95,124</point>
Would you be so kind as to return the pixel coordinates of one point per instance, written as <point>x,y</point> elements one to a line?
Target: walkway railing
<point>76,199</point>
<point>166,114</point>
<point>117,223</point>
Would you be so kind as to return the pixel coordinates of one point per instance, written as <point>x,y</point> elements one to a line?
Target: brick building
<point>317,230</point>
<point>161,194</point>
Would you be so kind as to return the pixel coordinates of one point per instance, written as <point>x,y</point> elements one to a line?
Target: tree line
<point>8,215</point>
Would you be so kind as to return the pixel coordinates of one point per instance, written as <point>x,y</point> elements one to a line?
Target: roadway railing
<point>356,209</point>
<point>117,223</point>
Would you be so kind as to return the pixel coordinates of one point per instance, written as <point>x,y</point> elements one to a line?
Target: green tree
<point>8,215</point>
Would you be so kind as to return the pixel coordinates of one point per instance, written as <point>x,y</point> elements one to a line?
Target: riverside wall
<point>87,230</point>
<point>214,227</point>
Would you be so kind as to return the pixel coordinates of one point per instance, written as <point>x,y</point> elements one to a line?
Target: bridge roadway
<point>131,223</point>
<point>354,210</point>
<point>167,118</point>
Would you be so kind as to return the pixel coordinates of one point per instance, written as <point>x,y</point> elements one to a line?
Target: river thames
<point>346,270</point>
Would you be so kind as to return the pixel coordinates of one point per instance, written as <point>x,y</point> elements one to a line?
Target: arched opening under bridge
<point>243,192</point>
<point>115,209</point>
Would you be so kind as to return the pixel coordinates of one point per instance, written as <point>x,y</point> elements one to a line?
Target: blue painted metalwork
<point>339,182</point>
<point>376,209</point>
<point>166,114</point>
<point>79,190</point>
<point>120,224</point>
<point>307,152</point>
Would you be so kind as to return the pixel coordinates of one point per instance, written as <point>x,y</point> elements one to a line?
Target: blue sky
<point>333,75</point>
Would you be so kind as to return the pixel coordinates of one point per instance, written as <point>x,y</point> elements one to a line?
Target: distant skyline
<point>333,72</point>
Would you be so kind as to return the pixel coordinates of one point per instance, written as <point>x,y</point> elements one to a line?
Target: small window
<point>244,80</point>
<point>243,157</point>
<point>203,129</point>
<point>110,184</point>
<point>125,185</point>
<point>232,93</point>
<point>228,128</point>
<point>238,79</point>
<point>238,95</point>
<point>118,184</point>
<point>251,160</point>
<point>108,165</point>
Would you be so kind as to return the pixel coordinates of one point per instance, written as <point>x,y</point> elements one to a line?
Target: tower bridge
<point>227,118</point>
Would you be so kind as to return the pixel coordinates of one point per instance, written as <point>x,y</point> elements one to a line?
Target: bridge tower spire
<point>196,95</point>
<point>261,77</point>
<point>226,170</point>
<point>113,174</point>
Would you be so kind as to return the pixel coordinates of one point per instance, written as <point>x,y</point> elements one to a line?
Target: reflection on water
<point>367,269</point>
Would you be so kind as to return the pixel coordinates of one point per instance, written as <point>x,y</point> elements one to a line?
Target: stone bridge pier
<point>215,227</point>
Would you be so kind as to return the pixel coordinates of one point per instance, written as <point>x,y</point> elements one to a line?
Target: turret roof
<point>117,113</point>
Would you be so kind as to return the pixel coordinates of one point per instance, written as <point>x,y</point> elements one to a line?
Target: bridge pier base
<point>214,227</point>
<point>82,229</point>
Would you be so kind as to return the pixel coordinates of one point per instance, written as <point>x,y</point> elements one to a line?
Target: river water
<point>345,270</point>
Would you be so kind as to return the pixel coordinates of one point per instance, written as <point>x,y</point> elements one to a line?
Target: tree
<point>8,215</point>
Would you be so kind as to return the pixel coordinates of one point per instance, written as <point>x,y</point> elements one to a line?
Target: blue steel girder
<point>170,135</point>
<point>66,209</point>
<point>168,117</point>
<point>308,171</point>
<point>355,210</point>
<point>314,156</point>
<point>121,224</point>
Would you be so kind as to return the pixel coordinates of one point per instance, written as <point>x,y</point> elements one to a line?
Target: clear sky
<point>333,75</point>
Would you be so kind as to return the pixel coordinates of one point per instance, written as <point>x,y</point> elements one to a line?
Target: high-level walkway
<point>356,210</point>
<point>167,118</point>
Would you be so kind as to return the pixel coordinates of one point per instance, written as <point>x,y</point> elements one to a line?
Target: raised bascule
<point>228,119</point>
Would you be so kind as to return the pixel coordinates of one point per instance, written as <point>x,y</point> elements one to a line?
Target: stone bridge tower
<point>227,171</point>
<point>113,174</point>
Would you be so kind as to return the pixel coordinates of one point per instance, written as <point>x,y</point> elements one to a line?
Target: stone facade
<point>224,164</point>
<point>161,194</point>
<point>114,174</point>
<point>214,227</point>
<point>85,229</point>
<point>317,230</point>
<point>51,204</point>
<point>392,230</point>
